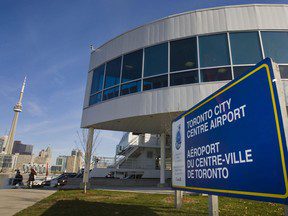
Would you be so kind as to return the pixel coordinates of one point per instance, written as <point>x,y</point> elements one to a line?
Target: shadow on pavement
<point>80,207</point>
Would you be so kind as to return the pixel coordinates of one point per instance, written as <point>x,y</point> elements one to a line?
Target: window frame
<point>182,39</point>
<point>262,43</point>
<point>169,73</point>
<point>145,57</point>
<point>231,50</point>
<point>228,48</point>
<point>138,80</point>
<point>142,67</point>
<point>183,71</point>
<point>106,63</point>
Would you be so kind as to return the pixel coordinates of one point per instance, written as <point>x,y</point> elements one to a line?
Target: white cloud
<point>9,89</point>
<point>34,109</point>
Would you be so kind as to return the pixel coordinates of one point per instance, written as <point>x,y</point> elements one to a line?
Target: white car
<point>38,181</point>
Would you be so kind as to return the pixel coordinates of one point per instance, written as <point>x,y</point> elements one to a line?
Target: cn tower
<point>17,110</point>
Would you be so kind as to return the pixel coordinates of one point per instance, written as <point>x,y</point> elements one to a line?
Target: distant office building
<point>23,159</point>
<point>3,141</point>
<point>21,154</point>
<point>72,163</point>
<point>7,162</point>
<point>56,169</point>
<point>75,161</point>
<point>22,149</point>
<point>61,162</point>
<point>74,152</point>
<point>44,156</point>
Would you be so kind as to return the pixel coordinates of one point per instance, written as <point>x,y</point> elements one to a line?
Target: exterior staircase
<point>127,152</point>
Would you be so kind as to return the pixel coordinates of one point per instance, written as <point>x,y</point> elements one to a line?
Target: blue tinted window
<point>184,78</point>
<point>96,98</point>
<point>130,88</point>
<point>113,69</point>
<point>111,93</point>
<point>183,54</point>
<point>156,60</point>
<point>283,71</point>
<point>238,71</point>
<point>216,74</point>
<point>155,82</point>
<point>97,80</point>
<point>214,50</point>
<point>245,48</point>
<point>276,46</point>
<point>132,66</point>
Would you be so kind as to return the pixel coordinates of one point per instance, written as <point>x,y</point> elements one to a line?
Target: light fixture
<point>189,64</point>
<point>129,66</point>
<point>222,70</point>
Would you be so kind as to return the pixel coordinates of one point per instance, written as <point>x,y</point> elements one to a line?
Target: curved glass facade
<point>207,58</point>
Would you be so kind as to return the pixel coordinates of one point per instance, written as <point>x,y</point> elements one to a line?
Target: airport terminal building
<point>141,80</point>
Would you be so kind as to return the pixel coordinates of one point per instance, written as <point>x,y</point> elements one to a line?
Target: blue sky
<point>49,42</point>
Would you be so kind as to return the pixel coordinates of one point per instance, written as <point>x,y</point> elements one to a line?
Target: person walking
<point>31,178</point>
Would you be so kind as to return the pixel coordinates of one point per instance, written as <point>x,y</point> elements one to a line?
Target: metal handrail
<point>133,142</point>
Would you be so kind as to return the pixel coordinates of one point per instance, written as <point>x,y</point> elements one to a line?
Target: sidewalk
<point>150,190</point>
<point>14,200</point>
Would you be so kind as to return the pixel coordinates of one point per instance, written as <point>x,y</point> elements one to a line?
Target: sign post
<point>234,142</point>
<point>178,198</point>
<point>213,205</point>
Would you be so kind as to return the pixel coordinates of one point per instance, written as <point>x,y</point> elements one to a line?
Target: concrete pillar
<point>88,153</point>
<point>163,158</point>
<point>213,205</point>
<point>178,196</point>
<point>10,140</point>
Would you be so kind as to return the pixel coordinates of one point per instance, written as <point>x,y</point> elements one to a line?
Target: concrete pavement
<point>150,190</point>
<point>14,200</point>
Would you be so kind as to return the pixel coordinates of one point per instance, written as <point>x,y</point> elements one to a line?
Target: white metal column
<point>88,157</point>
<point>141,139</point>
<point>163,158</point>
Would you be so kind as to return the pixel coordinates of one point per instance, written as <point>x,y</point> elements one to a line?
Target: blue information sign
<point>233,142</point>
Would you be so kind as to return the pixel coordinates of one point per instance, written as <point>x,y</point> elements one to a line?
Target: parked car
<point>62,179</point>
<point>137,176</point>
<point>48,179</point>
<point>38,182</point>
<point>46,183</point>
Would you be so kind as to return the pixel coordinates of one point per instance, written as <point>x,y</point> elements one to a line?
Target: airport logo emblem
<point>178,138</point>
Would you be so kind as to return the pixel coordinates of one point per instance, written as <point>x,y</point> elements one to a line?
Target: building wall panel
<point>149,103</point>
<point>241,18</point>
<point>272,17</point>
<point>233,18</point>
<point>87,90</point>
<point>178,98</point>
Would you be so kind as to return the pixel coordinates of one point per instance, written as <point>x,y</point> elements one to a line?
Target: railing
<point>132,163</point>
<point>104,162</point>
<point>122,159</point>
<point>133,142</point>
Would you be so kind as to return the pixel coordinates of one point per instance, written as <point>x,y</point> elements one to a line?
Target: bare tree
<point>82,140</point>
